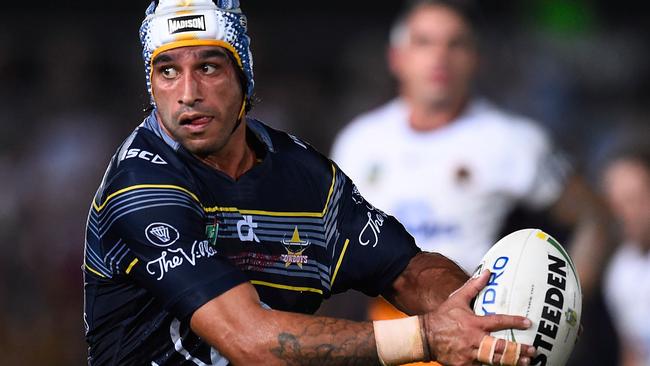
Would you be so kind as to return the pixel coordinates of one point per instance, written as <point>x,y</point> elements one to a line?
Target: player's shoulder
<point>376,121</point>
<point>500,124</point>
<point>290,151</point>
<point>505,119</point>
<point>145,158</point>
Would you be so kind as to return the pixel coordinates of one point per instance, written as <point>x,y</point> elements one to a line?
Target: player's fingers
<point>494,351</point>
<point>486,350</point>
<point>511,353</point>
<point>472,287</point>
<point>491,323</point>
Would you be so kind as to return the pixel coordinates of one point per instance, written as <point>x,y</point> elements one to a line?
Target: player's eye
<point>169,72</point>
<point>208,69</point>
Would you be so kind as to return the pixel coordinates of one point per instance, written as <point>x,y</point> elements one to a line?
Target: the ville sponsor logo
<point>189,23</point>
<point>376,217</point>
<point>170,259</point>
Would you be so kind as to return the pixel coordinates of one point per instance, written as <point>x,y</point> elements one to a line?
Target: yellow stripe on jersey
<point>128,270</point>
<point>226,209</point>
<point>280,213</point>
<point>94,271</point>
<point>285,287</point>
<point>338,263</point>
<point>142,186</point>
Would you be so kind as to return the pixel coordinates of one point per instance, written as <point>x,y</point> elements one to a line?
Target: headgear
<point>172,23</point>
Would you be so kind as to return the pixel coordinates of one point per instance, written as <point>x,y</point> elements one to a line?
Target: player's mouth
<point>194,121</point>
<point>439,77</point>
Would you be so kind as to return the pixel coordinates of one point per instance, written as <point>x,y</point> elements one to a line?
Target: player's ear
<point>393,57</point>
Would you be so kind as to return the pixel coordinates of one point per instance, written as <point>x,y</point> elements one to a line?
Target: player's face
<point>437,57</point>
<point>198,96</point>
<point>627,185</point>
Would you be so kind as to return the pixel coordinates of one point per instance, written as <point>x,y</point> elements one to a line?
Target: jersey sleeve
<point>553,170</point>
<point>376,247</point>
<point>540,167</point>
<point>156,235</point>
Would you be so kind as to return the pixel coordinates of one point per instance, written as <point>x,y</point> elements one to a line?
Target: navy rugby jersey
<point>166,234</point>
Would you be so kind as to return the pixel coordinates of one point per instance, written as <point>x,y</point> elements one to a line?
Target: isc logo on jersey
<point>533,276</point>
<point>144,155</point>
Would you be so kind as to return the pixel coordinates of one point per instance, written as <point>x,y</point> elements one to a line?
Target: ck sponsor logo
<point>161,234</point>
<point>245,229</point>
<point>144,155</point>
<point>189,23</point>
<point>295,247</point>
<point>171,259</point>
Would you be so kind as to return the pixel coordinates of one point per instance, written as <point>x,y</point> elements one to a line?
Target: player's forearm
<point>592,239</point>
<point>427,281</point>
<point>282,338</point>
<point>590,247</point>
<point>308,340</point>
<point>247,334</point>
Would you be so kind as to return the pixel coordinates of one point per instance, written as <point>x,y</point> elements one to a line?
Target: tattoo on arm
<point>327,341</point>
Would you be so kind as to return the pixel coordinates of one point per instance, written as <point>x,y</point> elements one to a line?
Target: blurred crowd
<point>72,88</point>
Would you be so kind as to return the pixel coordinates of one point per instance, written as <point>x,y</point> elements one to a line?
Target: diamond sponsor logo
<point>161,234</point>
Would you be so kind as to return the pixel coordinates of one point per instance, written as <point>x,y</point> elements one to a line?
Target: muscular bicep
<point>427,281</point>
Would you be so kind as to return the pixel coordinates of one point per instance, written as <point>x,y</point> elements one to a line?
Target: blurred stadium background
<point>72,87</point>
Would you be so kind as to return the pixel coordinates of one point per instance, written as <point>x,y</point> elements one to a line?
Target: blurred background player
<point>450,164</point>
<point>626,184</point>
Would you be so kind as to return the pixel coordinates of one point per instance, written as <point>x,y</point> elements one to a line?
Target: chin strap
<point>242,111</point>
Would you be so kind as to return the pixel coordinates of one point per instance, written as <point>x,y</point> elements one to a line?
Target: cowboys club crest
<point>295,247</point>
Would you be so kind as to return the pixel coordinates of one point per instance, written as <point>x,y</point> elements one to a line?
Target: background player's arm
<point>591,242</point>
<point>427,282</point>
<point>246,333</point>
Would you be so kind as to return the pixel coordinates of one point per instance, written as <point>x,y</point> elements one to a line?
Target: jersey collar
<point>151,123</point>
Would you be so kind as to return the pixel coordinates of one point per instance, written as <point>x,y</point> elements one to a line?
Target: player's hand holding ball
<point>533,276</point>
<point>527,275</point>
<point>455,334</point>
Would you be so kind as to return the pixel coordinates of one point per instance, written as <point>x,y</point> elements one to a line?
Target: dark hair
<point>466,9</point>
<point>638,152</point>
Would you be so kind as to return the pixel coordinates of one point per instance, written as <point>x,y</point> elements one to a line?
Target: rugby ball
<point>533,276</point>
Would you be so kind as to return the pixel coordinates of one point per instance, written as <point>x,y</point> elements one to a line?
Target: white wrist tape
<point>399,341</point>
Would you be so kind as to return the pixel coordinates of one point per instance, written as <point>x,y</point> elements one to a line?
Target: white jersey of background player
<point>452,186</point>
<point>449,166</point>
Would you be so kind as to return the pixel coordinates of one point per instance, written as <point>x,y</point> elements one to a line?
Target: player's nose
<point>190,93</point>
